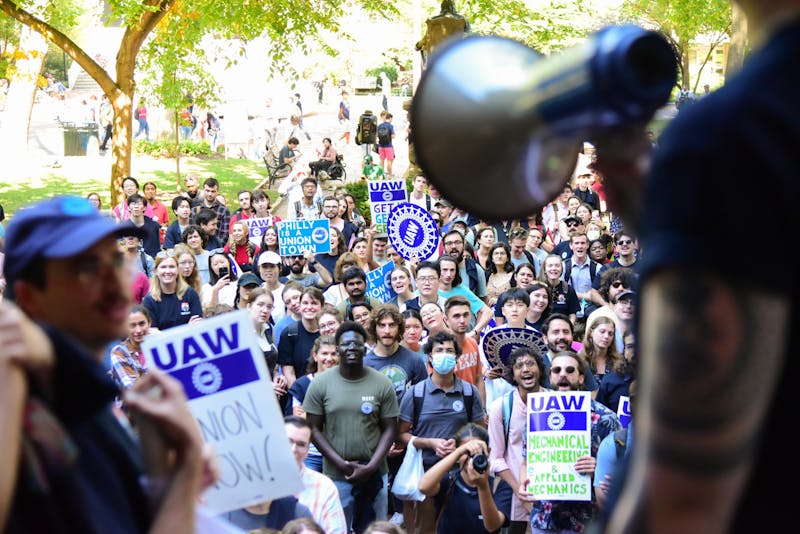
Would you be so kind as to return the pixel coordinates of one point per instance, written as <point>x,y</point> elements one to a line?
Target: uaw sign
<point>257,225</point>
<point>295,238</point>
<point>383,196</point>
<point>379,284</point>
<point>412,231</point>
<point>559,432</point>
<point>225,377</point>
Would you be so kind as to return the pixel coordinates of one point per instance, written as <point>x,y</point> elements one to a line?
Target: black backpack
<point>384,134</point>
<point>419,397</point>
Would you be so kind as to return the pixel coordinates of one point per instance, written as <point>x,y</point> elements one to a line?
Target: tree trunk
<point>22,91</point>
<point>738,47</point>
<point>686,81</point>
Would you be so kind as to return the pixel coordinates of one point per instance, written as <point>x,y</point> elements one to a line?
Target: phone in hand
<point>223,272</point>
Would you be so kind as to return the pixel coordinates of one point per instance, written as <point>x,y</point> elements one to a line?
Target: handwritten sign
<point>257,225</point>
<point>295,238</point>
<point>225,377</point>
<point>383,196</point>
<point>559,432</point>
<point>624,411</point>
<point>379,284</point>
<point>412,231</point>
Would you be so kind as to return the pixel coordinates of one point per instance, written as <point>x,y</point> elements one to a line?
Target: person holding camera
<point>472,501</point>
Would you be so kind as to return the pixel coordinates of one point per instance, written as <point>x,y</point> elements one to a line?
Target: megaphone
<point>497,128</point>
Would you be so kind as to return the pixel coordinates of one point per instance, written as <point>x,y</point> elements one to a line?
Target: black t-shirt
<point>462,508</point>
<point>173,311</point>
<point>737,149</point>
<point>294,347</point>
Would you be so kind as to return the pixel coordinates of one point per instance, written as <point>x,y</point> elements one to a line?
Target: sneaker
<point>397,519</point>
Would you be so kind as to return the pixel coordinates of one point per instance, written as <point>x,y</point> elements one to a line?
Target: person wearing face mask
<point>432,415</point>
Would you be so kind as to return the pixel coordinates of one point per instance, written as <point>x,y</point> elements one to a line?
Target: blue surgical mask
<point>443,362</point>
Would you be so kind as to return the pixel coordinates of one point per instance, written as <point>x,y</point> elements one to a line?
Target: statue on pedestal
<point>439,27</point>
<point>447,23</point>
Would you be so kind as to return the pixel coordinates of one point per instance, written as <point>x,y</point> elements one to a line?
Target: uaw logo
<point>412,231</point>
<point>219,374</point>
<point>558,412</point>
<point>319,235</point>
<point>498,343</point>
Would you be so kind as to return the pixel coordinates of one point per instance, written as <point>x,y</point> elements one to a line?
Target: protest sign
<point>624,411</point>
<point>223,372</point>
<point>499,342</point>
<point>559,432</point>
<point>379,284</point>
<point>295,238</point>
<point>412,231</point>
<point>383,196</point>
<point>257,225</point>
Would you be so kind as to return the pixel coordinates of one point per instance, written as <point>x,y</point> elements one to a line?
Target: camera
<point>480,463</point>
<point>223,272</point>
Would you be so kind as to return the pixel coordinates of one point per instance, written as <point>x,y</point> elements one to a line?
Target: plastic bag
<point>406,482</point>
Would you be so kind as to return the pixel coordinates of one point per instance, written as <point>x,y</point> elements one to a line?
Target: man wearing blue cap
<point>68,464</point>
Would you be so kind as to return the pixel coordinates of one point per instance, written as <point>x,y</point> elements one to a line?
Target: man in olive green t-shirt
<point>353,412</point>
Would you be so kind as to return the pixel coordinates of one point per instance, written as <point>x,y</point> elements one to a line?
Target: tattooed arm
<point>711,352</point>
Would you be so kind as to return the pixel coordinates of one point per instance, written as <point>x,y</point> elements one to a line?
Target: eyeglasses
<point>216,251</point>
<point>518,233</point>
<point>330,325</point>
<point>186,263</point>
<point>557,370</point>
<point>572,224</point>
<point>426,279</point>
<point>529,364</point>
<point>617,284</point>
<point>624,242</point>
<point>166,254</point>
<point>452,243</point>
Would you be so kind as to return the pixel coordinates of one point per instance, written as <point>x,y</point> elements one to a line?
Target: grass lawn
<point>82,175</point>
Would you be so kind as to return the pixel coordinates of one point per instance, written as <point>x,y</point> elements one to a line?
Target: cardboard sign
<point>295,238</point>
<point>383,196</point>
<point>379,284</point>
<point>225,377</point>
<point>412,231</point>
<point>257,225</point>
<point>559,432</point>
<point>624,411</point>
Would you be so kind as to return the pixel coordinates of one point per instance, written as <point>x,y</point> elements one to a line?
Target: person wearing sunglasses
<point>613,281</point>
<point>567,373</point>
<point>574,225</point>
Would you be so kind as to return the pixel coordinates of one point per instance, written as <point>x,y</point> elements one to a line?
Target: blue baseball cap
<point>60,227</point>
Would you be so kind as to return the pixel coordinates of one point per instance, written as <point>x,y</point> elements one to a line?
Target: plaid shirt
<point>126,365</point>
<point>322,498</point>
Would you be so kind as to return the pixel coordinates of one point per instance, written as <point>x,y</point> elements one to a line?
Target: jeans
<point>358,512</point>
<point>143,127</point>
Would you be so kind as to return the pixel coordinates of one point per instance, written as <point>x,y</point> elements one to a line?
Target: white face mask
<point>593,234</point>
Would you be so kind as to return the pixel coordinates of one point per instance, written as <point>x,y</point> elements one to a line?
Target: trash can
<point>76,139</point>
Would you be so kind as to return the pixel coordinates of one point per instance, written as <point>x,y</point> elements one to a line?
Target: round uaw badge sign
<point>319,235</point>
<point>412,231</point>
<point>500,342</point>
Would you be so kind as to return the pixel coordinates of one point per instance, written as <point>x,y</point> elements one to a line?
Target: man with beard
<point>354,281</point>
<point>558,334</point>
<point>353,412</point>
<point>473,276</point>
<point>192,184</point>
<point>245,210</point>
<point>508,427</point>
<point>567,373</point>
<point>320,278</point>
<point>468,364</point>
<point>330,209</point>
<point>400,365</point>
<point>68,463</point>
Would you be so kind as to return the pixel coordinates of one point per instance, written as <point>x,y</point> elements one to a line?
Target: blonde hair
<point>155,285</point>
<point>194,278</point>
<point>251,248</point>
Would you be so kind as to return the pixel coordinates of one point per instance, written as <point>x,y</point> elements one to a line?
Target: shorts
<point>386,152</point>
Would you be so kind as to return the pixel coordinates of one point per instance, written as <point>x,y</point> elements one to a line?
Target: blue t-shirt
<point>403,368</point>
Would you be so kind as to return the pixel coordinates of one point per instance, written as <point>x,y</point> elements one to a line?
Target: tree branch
<point>63,42</point>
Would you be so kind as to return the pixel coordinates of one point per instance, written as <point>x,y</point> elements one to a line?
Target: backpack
<point>384,134</point>
<point>143,261</point>
<point>620,442</point>
<point>419,396</point>
<point>508,406</point>
<point>298,209</point>
<point>136,113</point>
<point>568,269</point>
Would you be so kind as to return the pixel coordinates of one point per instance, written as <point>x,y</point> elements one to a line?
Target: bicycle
<point>275,169</point>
